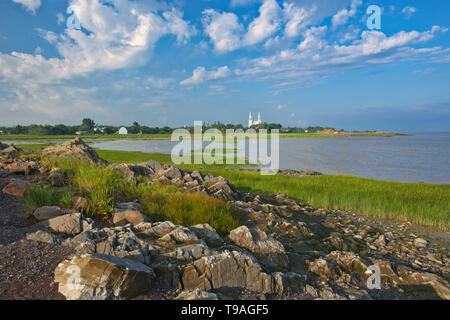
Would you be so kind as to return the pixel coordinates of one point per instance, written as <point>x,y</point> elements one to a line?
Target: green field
<point>86,138</point>
<point>109,137</point>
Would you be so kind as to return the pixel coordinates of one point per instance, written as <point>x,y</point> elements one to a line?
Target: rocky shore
<point>283,250</point>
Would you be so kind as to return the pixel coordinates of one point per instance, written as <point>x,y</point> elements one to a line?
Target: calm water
<point>423,157</point>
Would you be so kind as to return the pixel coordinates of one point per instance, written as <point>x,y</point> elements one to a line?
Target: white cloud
<point>50,36</point>
<point>343,15</point>
<point>201,75</point>
<point>281,107</point>
<point>266,24</point>
<point>120,37</point>
<point>223,29</point>
<point>60,18</point>
<point>121,34</point>
<point>315,58</point>
<point>408,11</point>
<point>295,18</point>
<point>30,5</point>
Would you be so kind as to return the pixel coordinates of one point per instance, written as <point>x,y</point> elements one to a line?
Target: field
<point>109,137</point>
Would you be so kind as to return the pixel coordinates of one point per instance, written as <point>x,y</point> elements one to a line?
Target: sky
<point>300,63</point>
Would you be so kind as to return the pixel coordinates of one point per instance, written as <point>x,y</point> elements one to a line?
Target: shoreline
<point>290,249</point>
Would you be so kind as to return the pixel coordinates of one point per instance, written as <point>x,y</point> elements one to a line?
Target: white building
<point>254,123</point>
<point>123,130</point>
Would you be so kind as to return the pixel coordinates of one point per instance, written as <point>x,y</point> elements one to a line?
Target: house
<point>123,131</point>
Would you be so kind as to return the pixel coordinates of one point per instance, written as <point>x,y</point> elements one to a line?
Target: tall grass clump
<point>103,187</point>
<point>43,195</point>
<point>188,209</point>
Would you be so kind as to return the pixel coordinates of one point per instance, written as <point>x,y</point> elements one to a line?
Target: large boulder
<point>46,213</point>
<point>75,148</point>
<point>102,277</point>
<point>270,252</point>
<point>230,269</point>
<point>42,236</point>
<point>71,224</point>
<point>16,188</point>
<point>129,217</point>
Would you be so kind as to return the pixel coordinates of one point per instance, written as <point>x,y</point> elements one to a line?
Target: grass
<point>423,204</point>
<point>103,187</point>
<point>43,195</point>
<point>108,137</point>
<point>87,138</point>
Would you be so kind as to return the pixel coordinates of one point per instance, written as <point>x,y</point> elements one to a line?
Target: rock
<point>141,170</point>
<point>426,286</point>
<point>155,165</point>
<point>420,243</point>
<point>16,188</point>
<point>180,235</point>
<point>157,229</point>
<point>270,252</point>
<point>8,151</point>
<point>80,204</point>
<point>322,268</point>
<point>349,262</point>
<point>127,206</point>
<point>45,213</point>
<point>227,269</point>
<point>42,236</point>
<point>196,295</point>
<point>171,173</point>
<point>75,148</point>
<point>130,176</point>
<point>71,224</point>
<point>129,217</point>
<point>102,277</point>
<point>286,284</point>
<point>190,252</point>
<point>197,175</point>
<point>22,167</point>
<point>207,233</point>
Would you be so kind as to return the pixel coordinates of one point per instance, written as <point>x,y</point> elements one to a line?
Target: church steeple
<point>250,121</point>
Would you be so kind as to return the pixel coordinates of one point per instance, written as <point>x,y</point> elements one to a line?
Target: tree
<point>87,125</point>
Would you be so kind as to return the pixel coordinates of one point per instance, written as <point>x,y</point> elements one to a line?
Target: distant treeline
<point>88,126</point>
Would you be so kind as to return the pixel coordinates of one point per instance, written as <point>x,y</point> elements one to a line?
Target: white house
<point>123,130</point>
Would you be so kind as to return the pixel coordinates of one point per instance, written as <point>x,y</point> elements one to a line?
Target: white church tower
<point>254,123</point>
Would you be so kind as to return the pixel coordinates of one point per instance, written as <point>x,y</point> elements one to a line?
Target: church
<point>254,123</point>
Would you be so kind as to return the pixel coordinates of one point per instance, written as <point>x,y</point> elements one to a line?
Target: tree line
<point>88,126</point>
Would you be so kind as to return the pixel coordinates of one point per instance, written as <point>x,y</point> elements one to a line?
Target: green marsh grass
<point>423,204</point>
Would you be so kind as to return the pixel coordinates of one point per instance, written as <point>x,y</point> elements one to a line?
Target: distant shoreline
<point>112,137</point>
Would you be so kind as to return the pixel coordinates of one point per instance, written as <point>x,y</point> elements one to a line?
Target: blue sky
<point>298,62</point>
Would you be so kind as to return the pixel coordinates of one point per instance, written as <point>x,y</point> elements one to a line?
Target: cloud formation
<point>30,5</point>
